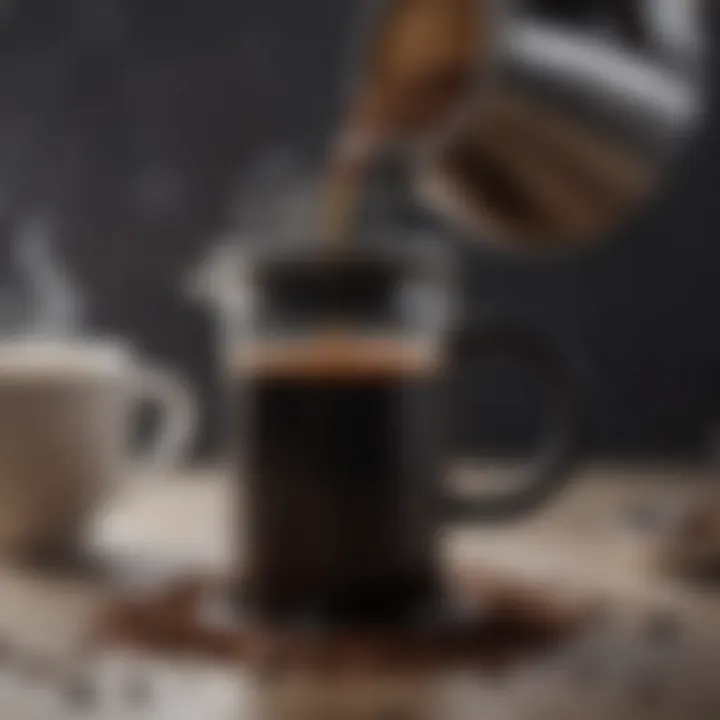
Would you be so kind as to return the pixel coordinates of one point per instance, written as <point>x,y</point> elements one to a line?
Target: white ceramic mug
<point>66,415</point>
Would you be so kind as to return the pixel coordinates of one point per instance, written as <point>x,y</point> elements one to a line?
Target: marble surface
<point>157,526</point>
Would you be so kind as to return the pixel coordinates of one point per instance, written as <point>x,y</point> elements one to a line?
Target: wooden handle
<point>341,202</point>
<point>346,178</point>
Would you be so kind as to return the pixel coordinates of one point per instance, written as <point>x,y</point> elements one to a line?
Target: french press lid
<point>358,284</point>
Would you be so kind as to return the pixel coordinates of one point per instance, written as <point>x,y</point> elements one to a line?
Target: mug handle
<point>563,433</point>
<point>177,423</point>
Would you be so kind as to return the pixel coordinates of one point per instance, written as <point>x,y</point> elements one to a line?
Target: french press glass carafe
<point>337,367</point>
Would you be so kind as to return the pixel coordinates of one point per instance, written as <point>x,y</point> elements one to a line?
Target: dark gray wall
<point>102,98</point>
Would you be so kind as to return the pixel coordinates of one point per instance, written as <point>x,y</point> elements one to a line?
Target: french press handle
<point>562,434</point>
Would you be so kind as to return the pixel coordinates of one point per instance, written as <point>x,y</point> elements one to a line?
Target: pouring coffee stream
<point>419,68</point>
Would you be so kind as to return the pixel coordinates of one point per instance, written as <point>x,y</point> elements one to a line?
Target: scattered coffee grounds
<point>167,623</point>
<point>691,548</point>
<point>514,622</point>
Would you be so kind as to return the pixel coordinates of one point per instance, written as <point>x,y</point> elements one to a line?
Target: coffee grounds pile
<point>513,623</point>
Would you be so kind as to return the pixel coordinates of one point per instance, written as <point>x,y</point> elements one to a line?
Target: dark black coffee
<point>340,460</point>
